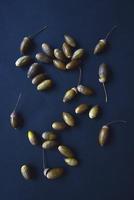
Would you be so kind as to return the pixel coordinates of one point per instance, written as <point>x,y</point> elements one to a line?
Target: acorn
<point>23,61</point>
<point>45,85</point>
<point>85,90</point>
<point>94,112</point>
<point>47,49</point>
<point>58,53</point>
<point>70,40</point>
<point>58,126</point>
<point>26,172</point>
<point>32,138</point>
<point>53,173</point>
<point>38,79</point>
<point>71,161</point>
<point>73,64</point>
<point>70,94</point>
<point>78,54</point>
<point>65,151</point>
<point>67,50</point>
<point>81,108</point>
<point>59,64</point>
<point>49,135</point>
<point>69,119</point>
<point>49,144</point>
<point>33,70</point>
<point>42,57</point>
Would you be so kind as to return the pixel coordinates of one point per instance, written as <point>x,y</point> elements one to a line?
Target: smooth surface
<point>104,173</point>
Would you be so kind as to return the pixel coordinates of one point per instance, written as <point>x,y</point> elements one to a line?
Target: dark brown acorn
<point>103,75</point>
<point>85,90</point>
<point>67,50</point>
<point>47,49</point>
<point>59,64</point>
<point>38,79</point>
<point>102,44</point>
<point>70,40</point>
<point>42,57</point>
<point>58,53</point>
<point>15,118</point>
<point>33,70</point>
<point>27,42</point>
<point>26,172</point>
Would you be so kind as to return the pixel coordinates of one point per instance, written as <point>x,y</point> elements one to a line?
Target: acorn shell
<point>15,120</point>
<point>73,64</point>
<point>49,135</point>
<point>33,70</point>
<point>45,85</point>
<point>81,108</point>
<point>38,79</point>
<point>70,40</point>
<point>65,151</point>
<point>42,57</point>
<point>26,172</point>
<point>94,112</point>
<point>67,50</point>
<point>68,119</point>
<point>58,53</point>
<point>85,90</point>
<point>71,161</point>
<point>53,173</point>
<point>32,138</point>
<point>49,144</point>
<point>23,61</point>
<point>58,126</point>
<point>103,73</point>
<point>47,49</point>
<point>78,54</point>
<point>26,45</point>
<point>100,47</point>
<point>103,135</point>
<point>70,94</point>
<point>59,64</point>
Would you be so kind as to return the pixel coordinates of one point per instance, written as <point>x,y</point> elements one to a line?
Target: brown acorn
<point>67,50</point>
<point>103,135</point>
<point>73,64</point>
<point>70,94</point>
<point>94,112</point>
<point>53,173</point>
<point>65,151</point>
<point>49,135</point>
<point>70,40</point>
<point>71,161</point>
<point>78,54</point>
<point>26,172</point>
<point>69,119</point>
<point>33,70</point>
<point>58,53</point>
<point>59,64</point>
<point>23,61</point>
<point>85,90</point>
<point>38,79</point>
<point>58,126</point>
<point>47,49</point>
<point>81,108</point>
<point>102,44</point>
<point>27,42</point>
<point>32,138</point>
<point>42,57</point>
<point>45,85</point>
<point>49,144</point>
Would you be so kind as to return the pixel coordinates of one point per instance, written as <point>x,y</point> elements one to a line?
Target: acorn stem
<point>35,34</point>
<point>18,100</point>
<point>44,159</point>
<point>116,121</point>
<point>105,92</point>
<point>80,76</point>
<point>110,32</point>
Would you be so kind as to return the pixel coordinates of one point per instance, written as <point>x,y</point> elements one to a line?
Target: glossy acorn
<point>81,108</point>
<point>73,64</point>
<point>78,54</point>
<point>38,79</point>
<point>94,112</point>
<point>70,94</point>
<point>15,120</point>
<point>65,151</point>
<point>103,73</point>
<point>32,138</point>
<point>26,172</point>
<point>103,135</point>
<point>49,135</point>
<point>58,53</point>
<point>59,64</point>
<point>23,61</point>
<point>45,85</point>
<point>71,161</point>
<point>33,70</point>
<point>67,50</point>
<point>70,40</point>
<point>58,126</point>
<point>68,119</point>
<point>49,144</point>
<point>85,90</point>
<point>53,173</point>
<point>42,57</point>
<point>47,49</point>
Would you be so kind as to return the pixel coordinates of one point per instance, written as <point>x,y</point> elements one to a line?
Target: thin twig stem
<point>109,33</point>
<point>116,121</point>
<point>105,92</point>
<point>35,34</point>
<point>80,76</point>
<point>18,100</point>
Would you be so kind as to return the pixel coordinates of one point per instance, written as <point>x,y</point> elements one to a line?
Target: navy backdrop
<point>103,173</point>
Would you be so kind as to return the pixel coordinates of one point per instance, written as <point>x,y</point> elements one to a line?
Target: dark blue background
<point>104,173</point>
